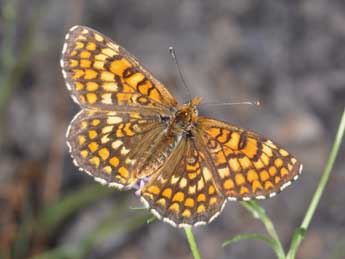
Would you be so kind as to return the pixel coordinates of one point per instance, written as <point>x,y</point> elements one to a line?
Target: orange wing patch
<point>106,144</point>
<point>248,165</point>
<point>100,73</point>
<point>183,192</point>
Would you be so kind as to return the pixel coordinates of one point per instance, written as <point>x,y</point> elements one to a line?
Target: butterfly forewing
<point>99,73</point>
<point>247,165</point>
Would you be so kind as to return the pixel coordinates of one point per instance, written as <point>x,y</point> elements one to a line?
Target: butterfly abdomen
<point>157,154</point>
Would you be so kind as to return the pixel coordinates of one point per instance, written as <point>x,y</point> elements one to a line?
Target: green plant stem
<point>298,237</point>
<point>192,243</point>
<point>260,213</point>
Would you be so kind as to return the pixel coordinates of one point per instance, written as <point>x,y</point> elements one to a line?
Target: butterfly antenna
<point>173,54</point>
<point>255,103</point>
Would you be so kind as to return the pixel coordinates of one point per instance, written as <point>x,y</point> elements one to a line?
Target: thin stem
<point>192,243</point>
<point>260,213</point>
<point>298,237</point>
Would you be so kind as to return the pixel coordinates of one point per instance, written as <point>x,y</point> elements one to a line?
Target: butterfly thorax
<point>185,117</point>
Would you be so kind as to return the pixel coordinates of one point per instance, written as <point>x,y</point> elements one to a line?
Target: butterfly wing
<point>107,145</point>
<point>183,191</point>
<point>246,165</point>
<point>121,103</point>
<point>101,74</point>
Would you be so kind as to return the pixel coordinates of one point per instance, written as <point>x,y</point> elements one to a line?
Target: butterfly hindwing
<point>183,191</point>
<point>107,145</point>
<point>248,165</point>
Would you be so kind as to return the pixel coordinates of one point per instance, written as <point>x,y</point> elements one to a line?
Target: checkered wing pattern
<point>107,145</point>
<point>131,133</point>
<point>183,191</point>
<point>101,74</point>
<point>247,164</point>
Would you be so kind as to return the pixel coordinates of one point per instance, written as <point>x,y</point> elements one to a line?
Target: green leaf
<point>259,213</point>
<point>271,242</point>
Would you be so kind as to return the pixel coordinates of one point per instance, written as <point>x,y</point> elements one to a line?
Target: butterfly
<point>132,134</point>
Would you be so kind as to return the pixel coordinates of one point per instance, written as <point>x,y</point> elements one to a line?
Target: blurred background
<point>289,55</point>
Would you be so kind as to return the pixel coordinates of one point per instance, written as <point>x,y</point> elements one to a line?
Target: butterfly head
<point>186,115</point>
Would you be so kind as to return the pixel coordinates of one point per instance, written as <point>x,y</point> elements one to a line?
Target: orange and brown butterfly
<point>132,134</point>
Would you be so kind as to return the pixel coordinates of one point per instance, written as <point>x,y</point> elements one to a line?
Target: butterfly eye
<point>164,119</point>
